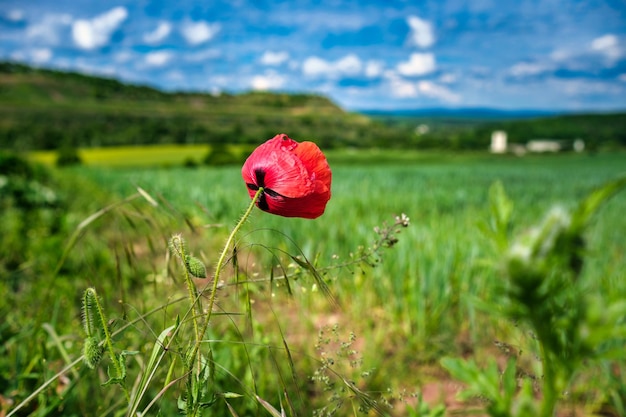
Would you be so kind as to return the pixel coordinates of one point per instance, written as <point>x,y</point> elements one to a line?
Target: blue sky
<point>525,54</point>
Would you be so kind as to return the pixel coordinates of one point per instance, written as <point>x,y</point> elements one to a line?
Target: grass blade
<point>158,352</point>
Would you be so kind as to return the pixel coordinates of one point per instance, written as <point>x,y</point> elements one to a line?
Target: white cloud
<point>603,51</point>
<point>418,64</point>
<point>401,88</point>
<point>274,58</point>
<point>523,69</point>
<point>220,81</point>
<point>604,42</point>
<point>430,89</point>
<point>559,55</point>
<point>374,69</point>
<point>622,78</point>
<point>41,55</point>
<point>47,29</point>
<point>582,87</point>
<point>36,55</point>
<point>203,55</point>
<point>15,15</point>
<point>199,32</point>
<point>421,33</point>
<point>325,19</point>
<point>316,66</point>
<point>348,65</point>
<point>158,58</point>
<point>447,78</point>
<point>607,45</point>
<point>94,33</point>
<point>175,75</point>
<point>159,33</point>
<point>268,81</point>
<point>123,56</point>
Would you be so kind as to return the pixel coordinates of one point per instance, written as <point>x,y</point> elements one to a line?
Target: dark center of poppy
<point>259,175</point>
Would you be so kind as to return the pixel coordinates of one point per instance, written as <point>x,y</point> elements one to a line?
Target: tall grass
<point>422,299</point>
<point>425,286</point>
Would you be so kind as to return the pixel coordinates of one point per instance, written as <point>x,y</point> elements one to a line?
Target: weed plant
<point>570,330</point>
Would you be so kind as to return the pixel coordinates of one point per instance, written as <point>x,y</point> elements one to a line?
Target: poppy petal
<point>308,207</point>
<point>296,177</point>
<point>282,171</point>
<point>291,209</point>
<point>317,166</point>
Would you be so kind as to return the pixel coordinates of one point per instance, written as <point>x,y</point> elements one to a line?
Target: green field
<point>159,156</point>
<point>137,156</point>
<point>434,294</point>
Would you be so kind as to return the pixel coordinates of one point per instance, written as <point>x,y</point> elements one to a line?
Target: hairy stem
<point>179,246</point>
<point>220,263</point>
<point>216,278</point>
<point>108,340</point>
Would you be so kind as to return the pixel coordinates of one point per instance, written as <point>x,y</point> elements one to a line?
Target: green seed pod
<point>178,246</point>
<point>195,267</point>
<point>91,320</point>
<point>92,352</point>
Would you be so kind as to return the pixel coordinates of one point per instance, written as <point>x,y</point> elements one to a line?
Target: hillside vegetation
<point>473,131</point>
<point>44,109</point>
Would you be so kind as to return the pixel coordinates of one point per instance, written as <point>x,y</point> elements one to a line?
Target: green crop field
<point>137,156</point>
<point>395,310</point>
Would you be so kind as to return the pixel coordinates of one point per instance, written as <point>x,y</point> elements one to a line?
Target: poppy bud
<point>295,177</point>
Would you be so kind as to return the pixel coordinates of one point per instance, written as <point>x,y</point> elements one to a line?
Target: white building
<point>500,145</point>
<point>543,145</point>
<point>498,141</point>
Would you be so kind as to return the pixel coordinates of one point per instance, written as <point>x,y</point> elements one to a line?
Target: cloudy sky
<point>511,54</point>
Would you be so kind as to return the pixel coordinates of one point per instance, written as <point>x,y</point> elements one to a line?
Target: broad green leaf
<point>592,203</point>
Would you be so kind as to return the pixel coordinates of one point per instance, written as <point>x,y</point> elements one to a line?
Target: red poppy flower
<point>295,177</point>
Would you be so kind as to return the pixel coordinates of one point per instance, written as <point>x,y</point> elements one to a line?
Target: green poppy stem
<point>218,269</point>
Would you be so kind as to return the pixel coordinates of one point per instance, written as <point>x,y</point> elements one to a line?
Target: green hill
<point>46,109</point>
